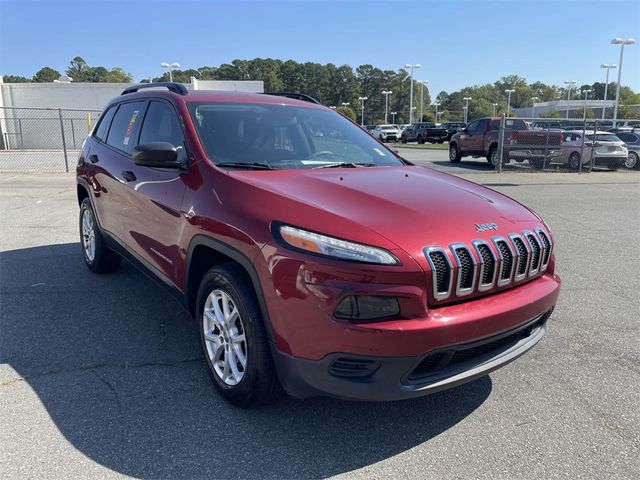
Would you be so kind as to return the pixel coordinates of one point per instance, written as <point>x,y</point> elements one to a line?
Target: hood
<point>411,206</point>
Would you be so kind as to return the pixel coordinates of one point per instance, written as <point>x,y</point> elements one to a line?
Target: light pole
<point>608,66</point>
<point>569,84</point>
<point>586,94</point>
<point>622,43</point>
<point>495,108</point>
<point>362,99</point>
<point>170,67</point>
<point>386,94</point>
<point>411,66</point>
<point>436,105</point>
<point>423,83</point>
<point>466,108</point>
<point>509,91</point>
<point>533,106</point>
<point>393,117</point>
<point>345,104</point>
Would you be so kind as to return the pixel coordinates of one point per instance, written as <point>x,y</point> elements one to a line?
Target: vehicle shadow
<point>480,165</point>
<point>117,365</point>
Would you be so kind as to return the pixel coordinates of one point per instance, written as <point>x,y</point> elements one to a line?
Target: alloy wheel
<point>225,338</point>
<point>88,235</point>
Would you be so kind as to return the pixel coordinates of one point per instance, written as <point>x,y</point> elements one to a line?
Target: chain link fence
<point>564,145</point>
<point>42,139</point>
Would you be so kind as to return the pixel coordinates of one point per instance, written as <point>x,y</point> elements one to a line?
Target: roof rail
<point>295,96</point>
<point>171,86</point>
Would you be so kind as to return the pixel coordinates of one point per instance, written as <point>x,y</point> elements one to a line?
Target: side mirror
<point>156,154</point>
<point>465,131</point>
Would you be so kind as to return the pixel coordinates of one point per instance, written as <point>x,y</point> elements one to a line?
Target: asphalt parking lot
<point>102,376</point>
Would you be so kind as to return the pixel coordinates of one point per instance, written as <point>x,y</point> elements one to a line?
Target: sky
<point>457,42</point>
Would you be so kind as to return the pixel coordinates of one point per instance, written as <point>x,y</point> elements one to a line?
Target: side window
<point>161,125</point>
<point>125,126</point>
<point>482,125</point>
<point>105,121</point>
<point>472,127</point>
<point>626,137</point>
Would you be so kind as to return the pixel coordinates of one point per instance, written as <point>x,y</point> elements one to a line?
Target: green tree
<point>347,112</point>
<point>46,75</point>
<point>78,69</point>
<point>15,79</point>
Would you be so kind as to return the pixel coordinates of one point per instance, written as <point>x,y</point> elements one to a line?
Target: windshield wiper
<point>346,165</point>
<point>248,165</point>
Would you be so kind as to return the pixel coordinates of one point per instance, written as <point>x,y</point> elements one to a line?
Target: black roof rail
<point>175,87</point>
<point>295,96</point>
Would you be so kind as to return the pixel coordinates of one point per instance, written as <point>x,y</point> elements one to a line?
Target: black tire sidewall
<point>577,165</point>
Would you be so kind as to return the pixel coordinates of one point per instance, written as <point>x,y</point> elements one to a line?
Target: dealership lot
<point>103,375</point>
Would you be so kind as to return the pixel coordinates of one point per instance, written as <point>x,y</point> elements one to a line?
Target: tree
<point>347,112</point>
<point>78,69</point>
<point>15,79</point>
<point>46,75</point>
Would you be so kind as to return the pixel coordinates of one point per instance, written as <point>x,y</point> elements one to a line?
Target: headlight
<point>334,247</point>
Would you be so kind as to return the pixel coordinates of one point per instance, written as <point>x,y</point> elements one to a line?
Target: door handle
<point>93,158</point>
<point>128,175</point>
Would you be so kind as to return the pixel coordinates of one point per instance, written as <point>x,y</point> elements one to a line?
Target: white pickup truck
<point>386,133</point>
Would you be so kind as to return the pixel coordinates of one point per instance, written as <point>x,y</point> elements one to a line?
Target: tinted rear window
<point>125,126</point>
<point>603,138</point>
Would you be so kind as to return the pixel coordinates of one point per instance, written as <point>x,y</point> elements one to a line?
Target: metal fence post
<point>584,129</point>
<point>64,143</point>
<point>503,122</point>
<point>546,147</point>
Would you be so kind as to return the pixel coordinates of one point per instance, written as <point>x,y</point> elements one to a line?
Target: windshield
<point>387,127</point>
<point>284,136</point>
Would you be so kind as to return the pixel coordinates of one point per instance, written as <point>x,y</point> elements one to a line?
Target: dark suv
<point>311,256</point>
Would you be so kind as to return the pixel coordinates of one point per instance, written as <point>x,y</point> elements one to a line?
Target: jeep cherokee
<point>312,257</point>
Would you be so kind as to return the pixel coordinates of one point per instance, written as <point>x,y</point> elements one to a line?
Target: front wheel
<point>454,153</point>
<point>234,339</point>
<point>420,139</point>
<point>632,161</point>
<point>574,161</point>
<point>97,256</point>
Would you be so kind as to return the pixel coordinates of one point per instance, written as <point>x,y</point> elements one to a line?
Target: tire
<point>574,161</point>
<point>492,156</point>
<point>536,164</point>
<point>632,161</point>
<point>244,384</point>
<point>454,153</point>
<point>420,139</point>
<point>403,139</point>
<point>97,256</point>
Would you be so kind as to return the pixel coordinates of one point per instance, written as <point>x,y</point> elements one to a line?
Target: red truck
<point>481,138</point>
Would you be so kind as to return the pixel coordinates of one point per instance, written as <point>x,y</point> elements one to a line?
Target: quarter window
<point>105,121</point>
<point>125,126</point>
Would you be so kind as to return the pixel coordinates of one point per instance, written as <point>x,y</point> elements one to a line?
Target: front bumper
<point>358,377</point>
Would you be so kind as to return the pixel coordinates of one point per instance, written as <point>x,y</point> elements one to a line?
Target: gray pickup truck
<point>480,139</point>
<point>424,132</point>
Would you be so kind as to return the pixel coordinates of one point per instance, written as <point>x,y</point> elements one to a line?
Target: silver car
<point>606,148</point>
<point>386,133</point>
<point>632,139</point>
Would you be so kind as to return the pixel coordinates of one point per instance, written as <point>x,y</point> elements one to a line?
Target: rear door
<point>155,223</point>
<point>110,158</point>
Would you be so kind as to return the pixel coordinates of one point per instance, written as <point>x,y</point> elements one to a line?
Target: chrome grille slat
<point>488,265</point>
<point>485,264</point>
<point>441,272</point>
<point>465,269</point>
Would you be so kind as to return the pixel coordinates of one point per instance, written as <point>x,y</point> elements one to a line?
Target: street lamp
<point>393,117</point>
<point>495,108</point>
<point>332,107</point>
<point>569,84</point>
<point>622,43</point>
<point>170,67</point>
<point>362,99</point>
<point>466,108</point>
<point>345,104</point>
<point>509,91</point>
<point>533,106</point>
<point>423,83</point>
<point>435,104</point>
<point>411,66</point>
<point>608,66</point>
<point>586,94</point>
<point>386,94</point>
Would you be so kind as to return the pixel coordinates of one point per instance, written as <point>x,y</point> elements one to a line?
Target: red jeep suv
<point>312,257</point>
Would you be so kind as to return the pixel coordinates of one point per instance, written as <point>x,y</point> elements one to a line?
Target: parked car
<point>370,129</point>
<point>453,127</point>
<point>424,132</point>
<point>632,140</point>
<point>386,133</point>
<point>608,150</point>
<point>480,139</point>
<point>297,253</point>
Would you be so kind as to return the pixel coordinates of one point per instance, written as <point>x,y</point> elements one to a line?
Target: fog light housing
<point>368,307</point>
